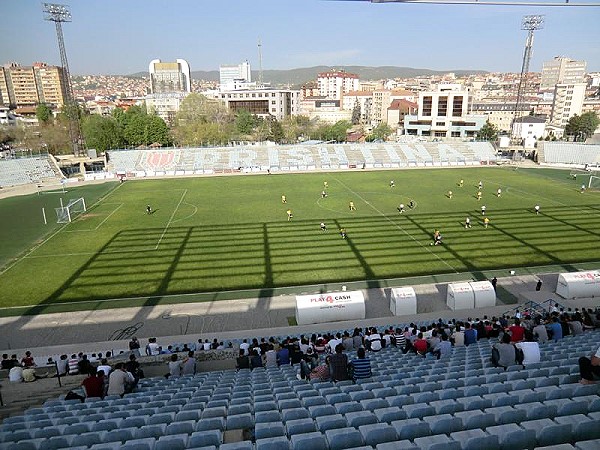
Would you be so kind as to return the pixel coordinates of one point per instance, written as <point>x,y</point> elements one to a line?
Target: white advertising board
<point>460,296</point>
<point>403,301</point>
<point>330,307</point>
<point>578,284</point>
<point>484,294</point>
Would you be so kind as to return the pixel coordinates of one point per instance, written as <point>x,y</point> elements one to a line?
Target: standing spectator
<point>63,365</point>
<point>189,365</point>
<point>339,365</point>
<point>494,283</point>
<point>470,335</point>
<point>73,365</point>
<point>538,286</point>
<point>361,365</point>
<point>27,360</point>
<point>152,349</point>
<point>555,329</point>
<point>134,346</point>
<point>589,368</point>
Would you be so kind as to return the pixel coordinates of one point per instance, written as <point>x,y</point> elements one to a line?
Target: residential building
<point>167,77</point>
<point>529,127</point>
<point>6,117</point>
<point>568,101</point>
<point>501,115</point>
<point>170,84</point>
<point>443,114</point>
<point>362,99</point>
<point>278,103</point>
<point>382,99</point>
<point>562,70</point>
<point>335,83</point>
<point>396,112</point>
<point>25,86</point>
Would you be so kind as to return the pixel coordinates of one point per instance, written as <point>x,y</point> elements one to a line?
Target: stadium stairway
<point>460,402</point>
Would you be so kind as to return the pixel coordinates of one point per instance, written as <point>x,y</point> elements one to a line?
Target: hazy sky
<point>122,36</point>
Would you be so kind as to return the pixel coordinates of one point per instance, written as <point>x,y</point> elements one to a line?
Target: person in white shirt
<point>270,358</point>
<point>531,352</point>
<point>119,381</point>
<point>105,367</point>
<point>375,340</point>
<point>152,349</point>
<point>15,375</point>
<point>245,346</point>
<point>334,342</point>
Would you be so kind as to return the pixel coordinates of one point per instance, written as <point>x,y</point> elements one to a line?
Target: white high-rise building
<point>169,77</point>
<point>231,76</point>
<point>568,101</point>
<point>562,70</point>
<point>332,85</point>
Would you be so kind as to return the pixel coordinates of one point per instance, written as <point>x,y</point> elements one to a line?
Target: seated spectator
<point>62,365</point>
<point>361,365</point>
<point>245,347</point>
<point>539,331</point>
<point>104,367</point>
<point>555,329</point>
<point>433,340</point>
<point>270,356</point>
<point>174,367</point>
<point>308,363</point>
<point>357,338</point>
<point>189,365</point>
<point>443,348</point>
<point>283,356</point>
<point>8,364</point>
<point>242,361</point>
<point>589,368</point>
<point>339,365</point>
<point>255,359</point>
<point>374,340</point>
<point>505,354</point>
<point>321,372</point>
<point>152,348</point>
<point>134,368</point>
<point>73,365</point>
<point>348,342</point>
<point>517,332</point>
<point>120,381</point>
<point>470,335</point>
<point>27,360</point>
<point>84,366</point>
<point>531,352</point>
<point>93,384</point>
<point>15,375</point>
<point>420,345</point>
<point>458,337</point>
<point>575,326</point>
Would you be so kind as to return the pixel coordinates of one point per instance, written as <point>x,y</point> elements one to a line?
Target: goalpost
<point>594,182</point>
<point>66,214</point>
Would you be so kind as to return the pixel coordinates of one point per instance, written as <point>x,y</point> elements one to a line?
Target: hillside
<point>299,76</point>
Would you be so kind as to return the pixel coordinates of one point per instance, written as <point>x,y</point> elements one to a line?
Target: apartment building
<point>334,84</point>
<point>568,101</point>
<point>500,114</point>
<point>278,103</point>
<point>443,114</point>
<point>27,86</point>
<point>170,84</point>
<point>562,70</point>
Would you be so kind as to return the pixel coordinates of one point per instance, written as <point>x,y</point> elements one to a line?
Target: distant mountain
<point>296,77</point>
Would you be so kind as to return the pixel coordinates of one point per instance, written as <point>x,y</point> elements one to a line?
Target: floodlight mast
<point>530,24</point>
<point>58,14</point>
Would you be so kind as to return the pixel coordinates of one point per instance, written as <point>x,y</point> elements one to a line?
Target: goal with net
<point>66,214</point>
<point>594,182</point>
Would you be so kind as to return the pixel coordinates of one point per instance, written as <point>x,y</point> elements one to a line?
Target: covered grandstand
<point>257,158</point>
<point>568,153</point>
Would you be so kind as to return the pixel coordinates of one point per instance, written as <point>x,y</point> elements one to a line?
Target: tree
<point>356,113</point>
<point>276,134</point>
<point>156,130</point>
<point>380,133</point>
<point>102,133</point>
<point>488,132</point>
<point>193,124</point>
<point>582,127</point>
<point>244,122</point>
<point>43,113</point>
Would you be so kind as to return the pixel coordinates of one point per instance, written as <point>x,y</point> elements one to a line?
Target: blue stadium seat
<point>343,438</point>
<point>213,423</point>
<point>511,436</point>
<point>312,441</point>
<point>205,438</point>
<point>443,424</point>
<point>476,439</point>
<point>390,414</point>
<point>330,422</point>
<point>548,432</point>
<point>358,418</point>
<point>418,410</point>
<point>275,443</point>
<point>506,414</point>
<point>582,428</point>
<point>321,410</point>
<point>437,442</point>
<point>411,428</point>
<point>475,419</point>
<point>88,439</point>
<point>186,427</point>
<point>151,431</point>
<point>239,421</point>
<point>172,442</point>
<point>57,442</point>
<point>242,445</point>
<point>269,429</point>
<point>267,416</point>
<point>300,426</point>
<point>377,433</point>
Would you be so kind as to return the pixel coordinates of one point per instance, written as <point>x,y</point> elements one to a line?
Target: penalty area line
<point>170,220</point>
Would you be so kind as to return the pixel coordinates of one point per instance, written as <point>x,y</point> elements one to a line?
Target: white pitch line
<point>170,220</point>
<point>108,217</point>
<point>34,248</point>
<point>394,223</point>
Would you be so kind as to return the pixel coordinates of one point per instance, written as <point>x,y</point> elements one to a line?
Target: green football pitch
<point>229,233</point>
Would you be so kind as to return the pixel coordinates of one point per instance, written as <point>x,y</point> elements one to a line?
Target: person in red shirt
<point>517,332</point>
<point>27,360</point>
<point>94,384</point>
<point>420,345</point>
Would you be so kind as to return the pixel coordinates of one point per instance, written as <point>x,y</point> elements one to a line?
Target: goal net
<point>594,182</point>
<point>66,214</point>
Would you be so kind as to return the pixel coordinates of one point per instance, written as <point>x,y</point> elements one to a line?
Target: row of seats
<point>570,153</point>
<point>299,156</point>
<point>14,172</point>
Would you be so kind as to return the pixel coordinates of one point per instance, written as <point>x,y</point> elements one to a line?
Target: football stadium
<point>320,296</point>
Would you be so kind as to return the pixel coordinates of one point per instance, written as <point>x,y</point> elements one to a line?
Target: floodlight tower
<point>58,14</point>
<point>529,23</point>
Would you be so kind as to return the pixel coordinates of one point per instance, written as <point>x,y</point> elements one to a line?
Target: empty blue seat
<point>268,430</point>
<point>330,422</point>
<point>377,433</point>
<point>321,410</point>
<point>448,406</point>
<point>173,442</point>
<point>300,426</point>
<point>475,419</point>
<point>242,445</point>
<point>372,404</point>
<point>418,410</point>
<point>312,441</point>
<point>511,436</point>
<point>537,410</point>
<point>239,421</point>
<point>267,416</point>
<point>437,442</point>
<point>476,439</point>
<point>506,414</point>
<point>87,439</point>
<point>275,443</point>
<point>205,438</point>
<point>344,408</point>
<point>343,438</point>
<point>444,424</point>
<point>358,418</point>
<point>548,432</point>
<point>411,428</point>
<point>186,427</point>
<point>213,423</point>
<point>388,415</point>
<point>151,431</point>
<point>582,428</point>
